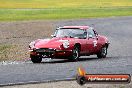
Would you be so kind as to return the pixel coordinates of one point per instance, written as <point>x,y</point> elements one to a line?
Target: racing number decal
<point>95,43</point>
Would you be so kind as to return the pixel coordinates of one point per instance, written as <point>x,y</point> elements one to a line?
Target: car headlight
<point>66,44</point>
<point>31,45</point>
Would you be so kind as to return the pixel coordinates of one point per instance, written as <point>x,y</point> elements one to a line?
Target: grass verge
<point>62,13</point>
<point>4,51</point>
<point>11,52</point>
<point>63,3</point>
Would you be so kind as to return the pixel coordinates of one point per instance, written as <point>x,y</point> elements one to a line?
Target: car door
<point>82,41</point>
<point>92,41</point>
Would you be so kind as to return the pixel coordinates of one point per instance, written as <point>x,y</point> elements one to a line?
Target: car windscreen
<point>73,33</point>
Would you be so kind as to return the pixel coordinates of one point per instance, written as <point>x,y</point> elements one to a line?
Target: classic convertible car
<point>69,42</point>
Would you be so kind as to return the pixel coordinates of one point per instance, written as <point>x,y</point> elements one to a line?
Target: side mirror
<point>95,33</point>
<point>90,36</point>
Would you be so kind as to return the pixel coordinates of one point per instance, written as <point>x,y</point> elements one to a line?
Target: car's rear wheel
<point>36,59</point>
<point>75,54</point>
<point>103,52</point>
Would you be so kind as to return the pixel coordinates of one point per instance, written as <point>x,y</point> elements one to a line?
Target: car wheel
<point>75,54</point>
<point>36,59</point>
<point>102,53</point>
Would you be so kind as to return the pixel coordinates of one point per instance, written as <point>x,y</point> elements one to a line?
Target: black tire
<point>81,80</point>
<point>36,59</point>
<point>75,54</point>
<point>103,52</point>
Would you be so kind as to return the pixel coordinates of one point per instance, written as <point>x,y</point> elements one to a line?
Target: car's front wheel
<point>102,53</point>
<point>36,59</point>
<point>75,54</point>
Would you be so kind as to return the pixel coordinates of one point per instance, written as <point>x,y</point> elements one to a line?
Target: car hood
<point>50,43</point>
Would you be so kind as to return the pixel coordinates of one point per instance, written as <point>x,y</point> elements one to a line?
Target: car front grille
<point>42,50</point>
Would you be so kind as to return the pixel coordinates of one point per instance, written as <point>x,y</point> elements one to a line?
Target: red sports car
<point>69,42</point>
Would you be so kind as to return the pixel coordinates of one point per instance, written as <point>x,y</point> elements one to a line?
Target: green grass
<point>17,10</point>
<point>63,13</point>
<point>62,3</point>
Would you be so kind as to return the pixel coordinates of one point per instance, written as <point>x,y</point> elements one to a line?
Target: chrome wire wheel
<point>75,54</point>
<point>102,53</point>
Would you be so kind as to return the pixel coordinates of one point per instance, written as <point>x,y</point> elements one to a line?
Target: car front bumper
<point>51,53</point>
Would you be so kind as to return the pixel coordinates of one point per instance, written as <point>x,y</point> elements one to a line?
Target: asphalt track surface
<point>119,58</point>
